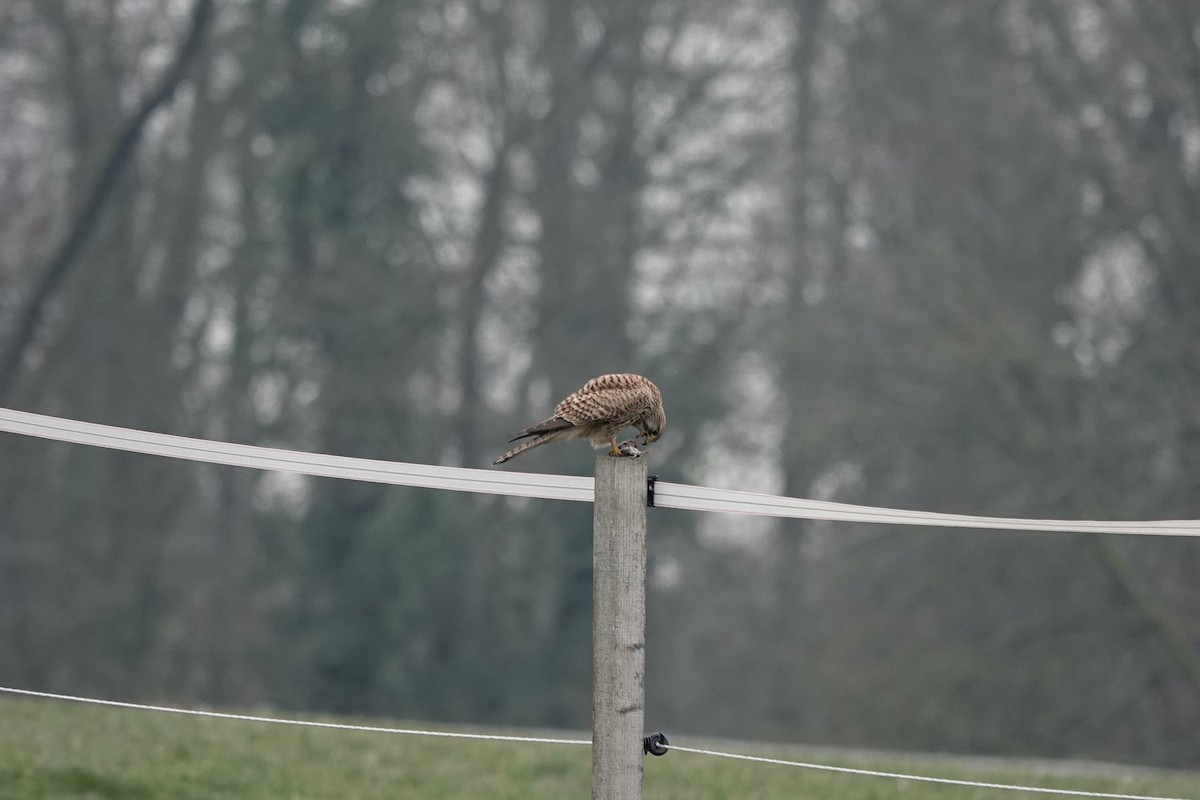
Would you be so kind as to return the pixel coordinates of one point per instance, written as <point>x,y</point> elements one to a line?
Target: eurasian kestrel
<point>598,412</point>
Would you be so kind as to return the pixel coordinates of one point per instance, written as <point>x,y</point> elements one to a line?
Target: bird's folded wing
<point>545,426</point>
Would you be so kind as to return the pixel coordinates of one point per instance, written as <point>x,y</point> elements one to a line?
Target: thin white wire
<point>924,778</point>
<point>523,484</point>
<point>299,722</point>
<point>550,740</point>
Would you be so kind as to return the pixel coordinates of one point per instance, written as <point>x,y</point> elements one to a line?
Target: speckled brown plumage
<point>598,412</point>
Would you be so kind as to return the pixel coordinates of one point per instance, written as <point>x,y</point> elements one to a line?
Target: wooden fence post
<point>618,628</point>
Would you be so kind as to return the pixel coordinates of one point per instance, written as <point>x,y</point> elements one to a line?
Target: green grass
<point>52,750</point>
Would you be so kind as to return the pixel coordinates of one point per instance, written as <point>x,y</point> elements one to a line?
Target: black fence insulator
<point>655,744</point>
<point>650,490</point>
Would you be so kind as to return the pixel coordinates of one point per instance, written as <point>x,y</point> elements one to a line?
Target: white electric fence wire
<point>699,498</point>
<point>297,722</point>
<point>871,773</point>
<point>518,484</point>
<point>550,740</point>
<point>521,484</point>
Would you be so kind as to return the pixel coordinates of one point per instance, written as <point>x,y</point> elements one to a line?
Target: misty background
<point>910,253</point>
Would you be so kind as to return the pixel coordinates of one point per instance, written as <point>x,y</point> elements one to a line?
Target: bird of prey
<point>598,412</point>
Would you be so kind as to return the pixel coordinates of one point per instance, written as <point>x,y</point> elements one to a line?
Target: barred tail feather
<point>527,445</point>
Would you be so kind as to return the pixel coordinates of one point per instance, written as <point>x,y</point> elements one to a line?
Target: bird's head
<point>654,425</point>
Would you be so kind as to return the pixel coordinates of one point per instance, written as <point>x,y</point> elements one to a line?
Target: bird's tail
<point>526,445</point>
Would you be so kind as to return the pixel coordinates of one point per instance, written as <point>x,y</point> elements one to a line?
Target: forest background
<point>911,253</point>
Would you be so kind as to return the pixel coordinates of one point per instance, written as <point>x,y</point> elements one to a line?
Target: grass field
<point>52,749</point>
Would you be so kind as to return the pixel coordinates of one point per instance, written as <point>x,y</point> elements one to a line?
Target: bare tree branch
<point>66,256</point>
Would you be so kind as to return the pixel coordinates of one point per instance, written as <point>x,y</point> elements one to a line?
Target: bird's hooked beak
<point>649,437</point>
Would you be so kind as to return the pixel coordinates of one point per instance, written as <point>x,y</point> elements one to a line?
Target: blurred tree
<point>916,254</point>
<point>976,365</point>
